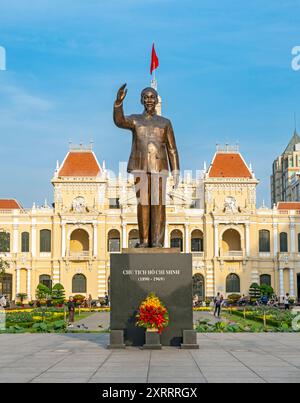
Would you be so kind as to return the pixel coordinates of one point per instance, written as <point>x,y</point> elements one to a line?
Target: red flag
<point>154,60</point>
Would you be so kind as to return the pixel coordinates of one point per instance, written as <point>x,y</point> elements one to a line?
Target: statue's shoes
<point>143,245</point>
<point>157,245</point>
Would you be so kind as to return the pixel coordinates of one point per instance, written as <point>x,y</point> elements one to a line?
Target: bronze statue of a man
<point>153,152</point>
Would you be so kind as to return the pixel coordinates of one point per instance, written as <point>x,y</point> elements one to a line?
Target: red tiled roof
<point>288,206</point>
<point>9,204</point>
<point>78,163</point>
<point>229,165</point>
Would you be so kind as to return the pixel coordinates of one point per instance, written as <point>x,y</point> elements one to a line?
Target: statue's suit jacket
<point>153,142</point>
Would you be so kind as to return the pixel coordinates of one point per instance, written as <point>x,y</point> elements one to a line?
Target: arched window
<point>233,283</point>
<point>45,241</point>
<point>25,242</point>
<point>45,279</point>
<point>197,241</point>
<point>113,243</point>
<point>231,241</point>
<point>177,239</point>
<point>299,243</point>
<point>283,242</point>
<point>6,281</point>
<point>265,279</point>
<point>4,242</point>
<point>134,238</point>
<point>79,284</point>
<point>199,286</point>
<point>264,240</point>
<point>79,241</point>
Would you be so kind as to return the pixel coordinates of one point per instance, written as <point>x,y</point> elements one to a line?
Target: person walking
<point>218,303</point>
<point>3,302</point>
<point>89,302</point>
<point>71,309</point>
<point>106,299</point>
<point>286,301</point>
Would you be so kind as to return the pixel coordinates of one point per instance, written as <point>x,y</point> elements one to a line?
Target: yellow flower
<point>37,318</point>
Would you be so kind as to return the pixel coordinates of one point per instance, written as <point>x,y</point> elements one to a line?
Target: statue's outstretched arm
<point>122,121</point>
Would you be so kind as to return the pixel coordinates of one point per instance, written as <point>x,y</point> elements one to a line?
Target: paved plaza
<point>82,358</point>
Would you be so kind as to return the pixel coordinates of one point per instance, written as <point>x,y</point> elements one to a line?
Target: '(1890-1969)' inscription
<point>151,274</point>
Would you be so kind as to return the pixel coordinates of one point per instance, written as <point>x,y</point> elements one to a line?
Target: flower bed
<point>38,319</point>
<point>281,320</point>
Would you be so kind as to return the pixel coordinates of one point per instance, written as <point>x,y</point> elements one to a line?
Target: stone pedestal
<point>116,340</point>
<point>190,340</point>
<point>152,341</point>
<point>133,275</point>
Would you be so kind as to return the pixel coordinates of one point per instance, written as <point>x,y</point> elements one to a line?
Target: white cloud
<point>15,99</point>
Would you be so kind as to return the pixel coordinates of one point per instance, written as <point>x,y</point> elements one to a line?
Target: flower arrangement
<point>152,314</point>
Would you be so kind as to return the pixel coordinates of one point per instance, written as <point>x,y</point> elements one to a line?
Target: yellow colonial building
<point>213,216</point>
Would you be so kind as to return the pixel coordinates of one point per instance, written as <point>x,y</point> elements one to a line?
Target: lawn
<point>40,320</point>
<point>251,319</point>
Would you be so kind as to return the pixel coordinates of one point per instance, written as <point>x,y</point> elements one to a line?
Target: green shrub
<point>233,298</point>
<point>21,296</point>
<point>266,290</point>
<point>40,327</point>
<point>254,292</point>
<point>78,299</point>
<point>15,329</point>
<point>58,294</point>
<point>42,292</point>
<point>59,325</point>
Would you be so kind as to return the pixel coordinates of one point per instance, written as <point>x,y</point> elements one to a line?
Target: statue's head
<point>149,98</point>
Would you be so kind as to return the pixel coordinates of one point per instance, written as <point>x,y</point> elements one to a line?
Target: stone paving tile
<point>62,377</point>
<point>179,379</point>
<point>120,379</point>
<point>225,358</point>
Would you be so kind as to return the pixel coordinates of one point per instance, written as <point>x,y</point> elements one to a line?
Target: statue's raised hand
<point>121,94</point>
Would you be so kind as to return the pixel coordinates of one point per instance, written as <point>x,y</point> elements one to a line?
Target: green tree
<point>266,290</point>
<point>254,292</point>
<point>4,247</point>
<point>21,296</point>
<point>4,265</point>
<point>58,294</point>
<point>42,292</point>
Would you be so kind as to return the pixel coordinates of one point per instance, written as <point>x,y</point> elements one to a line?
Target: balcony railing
<point>79,255</point>
<point>198,254</point>
<point>232,254</point>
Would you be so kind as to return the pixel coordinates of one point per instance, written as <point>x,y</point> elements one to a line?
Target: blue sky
<point>225,76</point>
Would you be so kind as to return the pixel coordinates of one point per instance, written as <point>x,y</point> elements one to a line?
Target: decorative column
<point>124,235</point>
<point>216,225</point>
<point>167,236</point>
<point>247,236</point>
<point>275,238</point>
<point>63,239</point>
<point>29,284</point>
<point>281,284</point>
<point>33,238</point>
<point>292,286</point>
<point>292,236</point>
<point>15,238</point>
<point>18,281</point>
<point>187,239</point>
<point>95,226</point>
